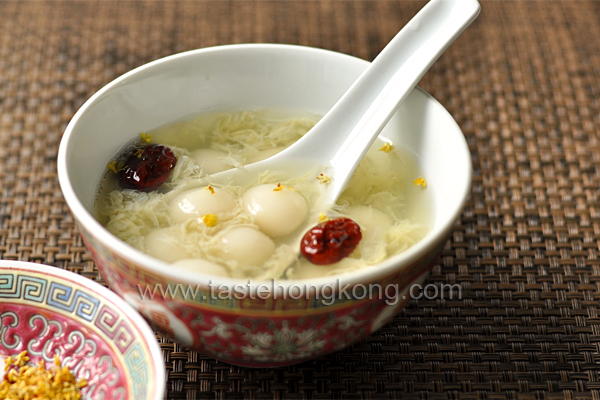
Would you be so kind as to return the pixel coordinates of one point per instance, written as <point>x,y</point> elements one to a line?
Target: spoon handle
<point>376,95</point>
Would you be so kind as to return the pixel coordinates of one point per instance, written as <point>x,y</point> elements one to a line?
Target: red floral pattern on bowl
<point>250,331</point>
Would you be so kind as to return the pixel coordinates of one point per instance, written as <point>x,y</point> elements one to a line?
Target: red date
<point>330,241</point>
<point>147,168</point>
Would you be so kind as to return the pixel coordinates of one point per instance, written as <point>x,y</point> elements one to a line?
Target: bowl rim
<point>249,286</point>
<point>135,317</point>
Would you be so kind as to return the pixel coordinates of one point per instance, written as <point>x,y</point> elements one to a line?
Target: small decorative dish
<point>47,312</point>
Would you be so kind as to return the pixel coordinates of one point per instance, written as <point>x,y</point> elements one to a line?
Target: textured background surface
<point>522,82</point>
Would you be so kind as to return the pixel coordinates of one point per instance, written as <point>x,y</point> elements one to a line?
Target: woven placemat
<point>523,82</point>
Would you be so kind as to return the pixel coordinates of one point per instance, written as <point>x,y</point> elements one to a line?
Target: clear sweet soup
<point>240,231</point>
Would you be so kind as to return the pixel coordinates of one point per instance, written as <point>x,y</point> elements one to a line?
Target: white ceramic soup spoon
<point>338,142</point>
<point>341,138</point>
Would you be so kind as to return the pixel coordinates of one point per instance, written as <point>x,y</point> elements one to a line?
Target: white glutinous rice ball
<point>211,161</point>
<point>374,226</point>
<point>201,265</point>
<point>246,245</point>
<point>373,222</point>
<point>198,202</point>
<point>276,212</point>
<point>161,243</point>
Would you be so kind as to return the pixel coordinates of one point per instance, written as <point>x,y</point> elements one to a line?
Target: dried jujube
<point>330,241</point>
<point>148,168</point>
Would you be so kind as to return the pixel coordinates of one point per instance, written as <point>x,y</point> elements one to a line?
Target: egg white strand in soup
<point>233,231</point>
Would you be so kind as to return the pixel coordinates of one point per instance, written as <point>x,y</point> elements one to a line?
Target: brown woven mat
<point>523,82</point>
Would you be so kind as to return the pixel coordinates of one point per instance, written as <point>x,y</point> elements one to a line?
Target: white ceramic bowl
<point>250,330</point>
